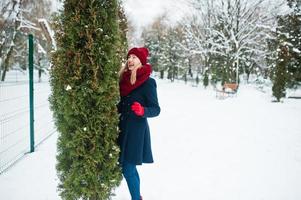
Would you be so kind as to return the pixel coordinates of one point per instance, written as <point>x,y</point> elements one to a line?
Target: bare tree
<point>18,18</point>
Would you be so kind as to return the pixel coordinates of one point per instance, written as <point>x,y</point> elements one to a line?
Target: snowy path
<point>242,148</point>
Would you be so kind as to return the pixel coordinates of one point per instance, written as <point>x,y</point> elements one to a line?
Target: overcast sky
<point>143,12</point>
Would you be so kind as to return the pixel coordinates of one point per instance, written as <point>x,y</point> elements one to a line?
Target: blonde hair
<point>124,68</point>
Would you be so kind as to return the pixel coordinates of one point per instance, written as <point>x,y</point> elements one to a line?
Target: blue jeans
<point>131,176</point>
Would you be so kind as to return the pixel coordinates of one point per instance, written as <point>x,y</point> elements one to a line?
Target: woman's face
<point>133,62</point>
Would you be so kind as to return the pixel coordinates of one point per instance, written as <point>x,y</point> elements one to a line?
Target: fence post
<point>31,113</point>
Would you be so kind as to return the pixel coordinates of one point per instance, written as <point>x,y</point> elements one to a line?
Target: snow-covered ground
<point>14,115</point>
<point>240,148</point>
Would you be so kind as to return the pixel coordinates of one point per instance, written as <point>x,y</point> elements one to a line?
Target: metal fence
<point>20,133</point>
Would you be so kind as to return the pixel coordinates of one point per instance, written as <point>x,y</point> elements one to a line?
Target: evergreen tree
<point>123,30</point>
<point>153,38</point>
<point>287,72</point>
<point>280,76</point>
<point>151,41</point>
<point>292,28</point>
<point>84,95</point>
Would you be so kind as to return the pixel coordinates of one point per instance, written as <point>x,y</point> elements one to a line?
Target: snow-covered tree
<point>287,72</point>
<point>167,54</point>
<point>173,53</point>
<point>154,38</point>
<point>290,29</point>
<point>233,35</point>
<point>17,19</point>
<point>280,74</point>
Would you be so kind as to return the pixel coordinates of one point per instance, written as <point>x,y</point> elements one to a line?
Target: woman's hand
<point>137,108</point>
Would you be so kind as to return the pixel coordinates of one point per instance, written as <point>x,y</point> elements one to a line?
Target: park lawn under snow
<point>240,148</point>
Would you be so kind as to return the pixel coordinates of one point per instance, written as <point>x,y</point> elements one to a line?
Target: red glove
<point>137,108</point>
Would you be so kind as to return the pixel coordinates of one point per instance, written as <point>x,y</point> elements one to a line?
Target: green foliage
<point>289,34</point>
<point>84,95</point>
<point>287,72</point>
<point>123,29</point>
<point>280,74</point>
<point>292,27</point>
<point>153,45</point>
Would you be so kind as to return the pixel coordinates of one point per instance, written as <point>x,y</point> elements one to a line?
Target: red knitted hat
<point>141,53</point>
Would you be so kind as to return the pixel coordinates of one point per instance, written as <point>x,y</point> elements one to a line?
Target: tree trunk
<point>40,75</point>
<point>5,65</point>
<point>162,74</point>
<point>6,62</point>
<point>3,75</point>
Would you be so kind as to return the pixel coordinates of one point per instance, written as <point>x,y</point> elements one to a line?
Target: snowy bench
<point>228,89</point>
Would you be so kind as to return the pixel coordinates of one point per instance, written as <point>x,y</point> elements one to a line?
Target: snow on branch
<point>48,32</point>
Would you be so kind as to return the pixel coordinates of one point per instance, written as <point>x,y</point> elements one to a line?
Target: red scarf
<point>142,75</point>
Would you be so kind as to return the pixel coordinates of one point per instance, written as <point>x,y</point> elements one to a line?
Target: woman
<point>138,102</point>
